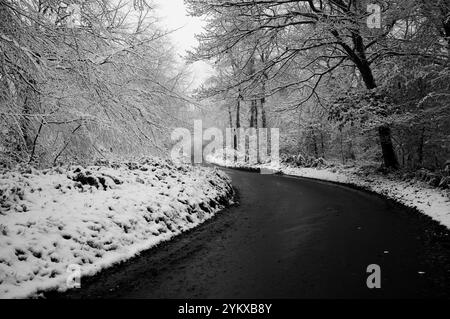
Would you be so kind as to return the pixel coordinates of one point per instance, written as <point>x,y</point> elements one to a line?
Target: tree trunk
<point>316,152</point>
<point>367,75</point>
<point>230,117</point>
<point>255,103</point>
<point>263,118</point>
<point>233,130</point>
<point>263,113</point>
<point>254,114</point>
<point>238,120</point>
<point>341,142</point>
<point>263,98</point>
<point>238,111</point>
<point>390,160</point>
<point>384,131</point>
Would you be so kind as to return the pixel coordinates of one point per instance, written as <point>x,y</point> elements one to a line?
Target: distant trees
<point>322,54</point>
<point>84,79</point>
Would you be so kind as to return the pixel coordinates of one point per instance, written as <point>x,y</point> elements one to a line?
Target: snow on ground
<point>433,202</point>
<point>96,216</point>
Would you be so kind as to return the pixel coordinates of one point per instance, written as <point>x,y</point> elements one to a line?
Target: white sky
<point>174,15</point>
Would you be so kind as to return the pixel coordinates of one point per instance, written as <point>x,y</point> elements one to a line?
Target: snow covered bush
<point>95,216</point>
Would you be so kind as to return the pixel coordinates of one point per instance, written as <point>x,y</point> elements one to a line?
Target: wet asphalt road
<point>289,238</point>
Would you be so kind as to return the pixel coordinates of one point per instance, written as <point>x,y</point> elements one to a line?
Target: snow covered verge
<point>408,189</point>
<point>96,216</point>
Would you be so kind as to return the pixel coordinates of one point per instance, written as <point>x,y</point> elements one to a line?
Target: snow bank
<point>433,202</point>
<point>96,216</point>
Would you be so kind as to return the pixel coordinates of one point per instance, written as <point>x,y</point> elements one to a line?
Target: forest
<point>86,80</point>
<point>96,96</point>
<point>338,88</point>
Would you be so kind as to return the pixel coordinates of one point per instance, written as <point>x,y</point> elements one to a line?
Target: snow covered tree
<point>314,40</point>
<point>85,79</point>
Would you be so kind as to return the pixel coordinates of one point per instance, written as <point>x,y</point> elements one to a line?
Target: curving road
<point>289,238</point>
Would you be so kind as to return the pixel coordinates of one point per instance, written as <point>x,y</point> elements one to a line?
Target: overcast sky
<point>174,15</point>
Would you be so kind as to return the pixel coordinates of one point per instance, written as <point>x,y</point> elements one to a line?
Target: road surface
<point>289,238</point>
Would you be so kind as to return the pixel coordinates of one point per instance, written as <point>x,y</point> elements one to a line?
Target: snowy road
<point>292,238</point>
